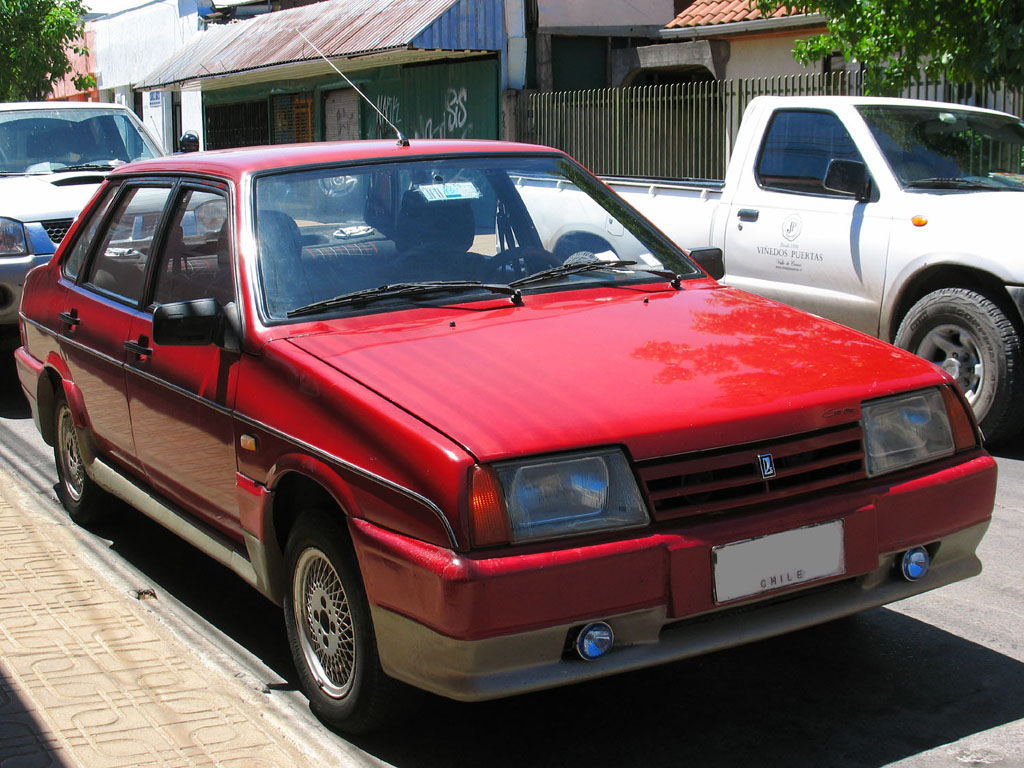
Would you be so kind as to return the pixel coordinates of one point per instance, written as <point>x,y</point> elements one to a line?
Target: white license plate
<point>779,560</point>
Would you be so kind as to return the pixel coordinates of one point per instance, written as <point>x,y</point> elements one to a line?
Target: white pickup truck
<point>899,218</point>
<point>53,156</point>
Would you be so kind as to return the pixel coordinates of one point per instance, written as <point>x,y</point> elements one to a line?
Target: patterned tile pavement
<point>89,678</point>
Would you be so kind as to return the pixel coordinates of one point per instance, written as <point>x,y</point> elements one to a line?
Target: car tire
<point>330,631</point>
<point>973,339</point>
<point>86,503</point>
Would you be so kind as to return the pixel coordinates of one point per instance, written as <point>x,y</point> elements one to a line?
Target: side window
<point>797,149</point>
<point>119,266</point>
<point>76,256</point>
<point>196,259</point>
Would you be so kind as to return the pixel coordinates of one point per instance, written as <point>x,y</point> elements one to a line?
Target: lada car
<point>53,155</point>
<point>465,449</point>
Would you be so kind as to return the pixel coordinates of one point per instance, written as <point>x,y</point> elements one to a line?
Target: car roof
<point>234,163</point>
<point>49,106</point>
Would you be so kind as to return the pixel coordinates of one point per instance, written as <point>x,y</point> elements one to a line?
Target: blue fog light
<point>594,640</point>
<point>915,563</point>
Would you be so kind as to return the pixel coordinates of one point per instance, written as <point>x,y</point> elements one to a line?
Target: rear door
<point>100,307</point>
<point>790,239</point>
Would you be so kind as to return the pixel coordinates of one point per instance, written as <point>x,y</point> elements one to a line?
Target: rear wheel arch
<point>47,388</point>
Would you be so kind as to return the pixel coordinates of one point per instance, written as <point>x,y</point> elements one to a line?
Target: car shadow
<point>13,404</point>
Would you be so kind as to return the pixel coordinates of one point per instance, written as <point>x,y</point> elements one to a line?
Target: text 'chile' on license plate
<point>753,566</point>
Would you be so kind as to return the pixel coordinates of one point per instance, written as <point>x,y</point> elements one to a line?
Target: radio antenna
<point>402,141</point>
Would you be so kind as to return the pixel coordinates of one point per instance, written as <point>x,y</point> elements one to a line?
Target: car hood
<point>44,196</point>
<point>660,372</point>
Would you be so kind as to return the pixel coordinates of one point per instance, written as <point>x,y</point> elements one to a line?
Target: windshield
<point>383,236</point>
<point>43,141</point>
<point>935,147</point>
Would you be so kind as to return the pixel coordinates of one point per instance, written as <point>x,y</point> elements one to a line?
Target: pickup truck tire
<point>86,503</point>
<point>330,631</point>
<point>973,339</point>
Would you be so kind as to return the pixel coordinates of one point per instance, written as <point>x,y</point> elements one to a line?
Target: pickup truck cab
<point>354,374</point>
<point>53,156</point>
<point>895,217</point>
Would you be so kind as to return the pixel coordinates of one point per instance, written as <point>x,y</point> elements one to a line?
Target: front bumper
<point>475,628</point>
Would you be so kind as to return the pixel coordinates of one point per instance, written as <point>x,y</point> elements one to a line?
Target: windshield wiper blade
<point>950,182</point>
<point>590,266</point>
<point>396,290</point>
<point>87,167</point>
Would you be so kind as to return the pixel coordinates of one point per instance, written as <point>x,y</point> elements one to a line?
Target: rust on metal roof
<point>339,28</point>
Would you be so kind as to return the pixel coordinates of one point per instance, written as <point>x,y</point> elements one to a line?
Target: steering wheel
<point>518,262</point>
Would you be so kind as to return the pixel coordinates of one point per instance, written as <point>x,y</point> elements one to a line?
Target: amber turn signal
<point>960,422</point>
<point>919,221</point>
<point>488,520</point>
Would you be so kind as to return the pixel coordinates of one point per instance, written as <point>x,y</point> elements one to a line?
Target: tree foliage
<point>968,41</point>
<point>38,36</point>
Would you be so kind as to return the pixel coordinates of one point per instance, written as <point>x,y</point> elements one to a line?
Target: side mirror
<point>194,323</point>
<point>189,142</point>
<point>710,260</point>
<point>848,177</point>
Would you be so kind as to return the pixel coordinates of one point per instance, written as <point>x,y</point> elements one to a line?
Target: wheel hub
<point>71,458</point>
<point>953,348</point>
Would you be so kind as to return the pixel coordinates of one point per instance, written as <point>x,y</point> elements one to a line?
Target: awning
<point>355,34</point>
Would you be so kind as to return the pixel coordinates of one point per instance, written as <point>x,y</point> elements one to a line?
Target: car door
<point>790,239</point>
<point>101,305</point>
<point>180,397</point>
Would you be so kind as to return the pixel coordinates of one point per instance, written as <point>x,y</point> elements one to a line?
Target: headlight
<point>12,238</point>
<point>905,430</point>
<point>553,497</point>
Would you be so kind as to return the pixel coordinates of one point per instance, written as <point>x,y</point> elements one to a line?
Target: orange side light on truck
<point>919,221</point>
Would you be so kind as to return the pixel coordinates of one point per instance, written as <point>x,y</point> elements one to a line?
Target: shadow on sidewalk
<point>23,740</point>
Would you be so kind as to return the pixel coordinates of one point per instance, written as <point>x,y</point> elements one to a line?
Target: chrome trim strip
<point>328,457</point>
<point>178,390</point>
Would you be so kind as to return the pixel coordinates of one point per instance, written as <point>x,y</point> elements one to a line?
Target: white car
<point>53,156</point>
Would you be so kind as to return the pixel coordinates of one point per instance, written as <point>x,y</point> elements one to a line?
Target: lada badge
<point>766,464</point>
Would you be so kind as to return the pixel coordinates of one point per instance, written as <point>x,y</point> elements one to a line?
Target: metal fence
<point>688,130</point>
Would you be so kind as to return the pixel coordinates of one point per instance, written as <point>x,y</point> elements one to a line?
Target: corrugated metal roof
<point>339,28</point>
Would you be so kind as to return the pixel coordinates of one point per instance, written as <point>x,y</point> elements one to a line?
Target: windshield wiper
<point>396,290</point>
<point>87,167</point>
<point>950,182</point>
<point>590,266</point>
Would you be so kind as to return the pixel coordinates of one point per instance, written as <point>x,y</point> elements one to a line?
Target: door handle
<point>70,319</point>
<point>748,214</point>
<point>140,348</point>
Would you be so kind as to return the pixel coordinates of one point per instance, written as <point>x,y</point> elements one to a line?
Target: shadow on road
<point>12,401</point>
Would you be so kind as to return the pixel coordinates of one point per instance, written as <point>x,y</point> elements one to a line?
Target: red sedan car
<point>477,426</point>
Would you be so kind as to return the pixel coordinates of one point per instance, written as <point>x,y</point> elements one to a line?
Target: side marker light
<point>919,221</point>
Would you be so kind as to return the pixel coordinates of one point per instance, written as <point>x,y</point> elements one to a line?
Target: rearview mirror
<point>848,177</point>
<point>194,323</point>
<point>710,260</point>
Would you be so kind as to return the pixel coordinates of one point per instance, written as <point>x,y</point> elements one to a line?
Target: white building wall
<point>765,56</point>
<point>132,43</point>
<point>593,15</point>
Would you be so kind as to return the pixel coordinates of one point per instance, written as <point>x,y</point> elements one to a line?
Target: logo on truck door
<point>792,225</point>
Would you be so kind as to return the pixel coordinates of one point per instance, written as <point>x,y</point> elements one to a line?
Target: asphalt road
<point>937,680</point>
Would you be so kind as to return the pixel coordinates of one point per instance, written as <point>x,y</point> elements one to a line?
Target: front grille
<point>57,228</point>
<point>723,479</point>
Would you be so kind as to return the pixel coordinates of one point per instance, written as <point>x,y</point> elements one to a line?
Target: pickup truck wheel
<point>331,633</point>
<point>970,337</point>
<point>85,502</point>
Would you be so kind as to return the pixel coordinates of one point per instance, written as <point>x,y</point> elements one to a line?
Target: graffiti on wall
<point>450,119</point>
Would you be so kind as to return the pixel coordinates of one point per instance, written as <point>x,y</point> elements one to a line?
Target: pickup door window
<point>791,239</point>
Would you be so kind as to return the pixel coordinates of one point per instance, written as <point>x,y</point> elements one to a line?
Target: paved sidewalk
<point>89,676</point>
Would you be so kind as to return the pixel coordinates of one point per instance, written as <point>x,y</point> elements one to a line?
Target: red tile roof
<point>704,12</point>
